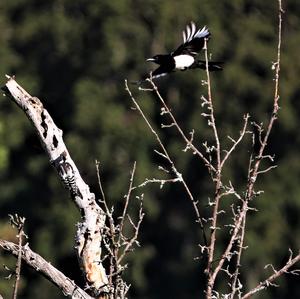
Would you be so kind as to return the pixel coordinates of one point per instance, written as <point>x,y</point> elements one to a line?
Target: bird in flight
<point>184,57</point>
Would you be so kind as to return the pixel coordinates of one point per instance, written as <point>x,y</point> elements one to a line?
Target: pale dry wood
<point>89,230</point>
<point>35,261</point>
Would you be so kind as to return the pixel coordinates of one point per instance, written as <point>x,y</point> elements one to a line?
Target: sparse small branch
<point>267,282</point>
<point>211,113</point>
<point>188,141</point>
<point>273,118</point>
<point>136,228</point>
<point>127,198</point>
<point>35,261</point>
<point>116,243</point>
<point>161,182</point>
<point>217,180</point>
<point>235,277</point>
<point>236,142</point>
<point>18,222</point>
<point>103,201</point>
<point>266,170</point>
<point>166,155</point>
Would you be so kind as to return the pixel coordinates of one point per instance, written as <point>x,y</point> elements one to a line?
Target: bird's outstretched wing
<point>161,71</point>
<point>157,73</point>
<point>193,40</point>
<point>212,65</point>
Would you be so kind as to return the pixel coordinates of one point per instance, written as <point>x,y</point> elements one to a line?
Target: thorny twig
<point>136,228</point>
<point>127,198</point>
<point>161,182</point>
<point>188,141</point>
<point>240,223</point>
<point>269,281</point>
<point>217,176</point>
<point>115,242</point>
<point>236,142</point>
<point>103,201</point>
<point>235,284</point>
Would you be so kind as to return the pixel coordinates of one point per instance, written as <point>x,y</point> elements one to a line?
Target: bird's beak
<point>150,59</point>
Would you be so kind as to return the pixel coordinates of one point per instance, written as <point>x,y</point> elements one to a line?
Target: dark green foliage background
<point>75,55</point>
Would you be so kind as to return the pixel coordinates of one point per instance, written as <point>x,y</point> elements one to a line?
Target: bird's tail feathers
<point>212,65</point>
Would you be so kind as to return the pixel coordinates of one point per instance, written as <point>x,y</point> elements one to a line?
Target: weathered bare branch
<point>269,281</point>
<point>35,261</point>
<point>88,236</point>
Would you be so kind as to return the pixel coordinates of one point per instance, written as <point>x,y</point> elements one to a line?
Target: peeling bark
<point>89,230</point>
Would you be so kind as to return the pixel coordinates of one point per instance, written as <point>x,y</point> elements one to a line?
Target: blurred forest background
<point>75,55</point>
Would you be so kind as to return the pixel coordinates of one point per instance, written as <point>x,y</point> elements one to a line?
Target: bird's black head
<point>158,59</point>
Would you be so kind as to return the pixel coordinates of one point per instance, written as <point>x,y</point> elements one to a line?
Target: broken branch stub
<point>89,230</point>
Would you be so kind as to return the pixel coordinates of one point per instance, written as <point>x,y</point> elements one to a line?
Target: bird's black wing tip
<point>136,82</point>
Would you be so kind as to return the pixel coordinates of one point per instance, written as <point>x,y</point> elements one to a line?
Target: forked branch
<point>116,241</point>
<point>165,154</point>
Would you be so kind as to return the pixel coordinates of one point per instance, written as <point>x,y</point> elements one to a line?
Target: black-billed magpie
<point>184,57</point>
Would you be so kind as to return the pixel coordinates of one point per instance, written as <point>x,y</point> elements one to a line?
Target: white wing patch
<point>190,33</point>
<point>159,75</point>
<point>182,62</point>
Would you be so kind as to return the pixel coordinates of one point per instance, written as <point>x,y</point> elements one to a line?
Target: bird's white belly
<point>183,61</point>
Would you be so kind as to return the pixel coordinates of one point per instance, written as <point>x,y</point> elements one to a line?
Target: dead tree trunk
<point>89,229</point>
